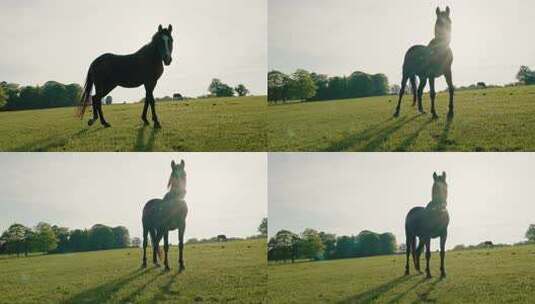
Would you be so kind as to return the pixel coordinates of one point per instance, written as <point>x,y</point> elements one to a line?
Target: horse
<point>430,62</point>
<point>426,224</point>
<point>143,67</point>
<point>163,215</point>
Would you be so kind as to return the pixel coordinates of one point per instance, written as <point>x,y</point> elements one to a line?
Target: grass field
<point>486,120</point>
<point>223,124</point>
<point>504,275</point>
<point>233,272</point>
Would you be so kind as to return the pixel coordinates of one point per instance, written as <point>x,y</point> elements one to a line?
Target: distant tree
<point>310,245</point>
<point>459,247</point>
<point>221,238</point>
<point>14,239</point>
<point>379,84</point>
<point>329,244</point>
<point>79,240</point>
<point>121,237</point>
<point>3,97</point>
<point>241,90</point>
<point>192,241</point>
<point>530,233</point>
<point>394,89</point>
<point>108,100</point>
<point>62,235</point>
<point>46,237</point>
<point>345,246</point>
<point>101,237</point>
<point>177,96</point>
<point>263,227</point>
<point>220,89</point>
<point>388,243</point>
<point>278,86</point>
<point>136,242</point>
<point>302,86</point>
<point>525,75</point>
<point>283,246</point>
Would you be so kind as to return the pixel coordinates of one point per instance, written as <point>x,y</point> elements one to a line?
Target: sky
<point>490,195</point>
<point>58,40</point>
<point>490,39</point>
<point>226,192</point>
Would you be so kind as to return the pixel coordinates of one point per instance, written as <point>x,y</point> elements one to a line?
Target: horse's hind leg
<point>401,92</point>
<point>407,253</point>
<point>423,82</point>
<point>419,251</point>
<point>145,236</point>
<point>166,248</point>
<point>427,257</point>
<point>101,91</point>
<point>443,254</point>
<point>155,247</point>
<point>95,112</point>
<point>413,90</point>
<point>181,231</point>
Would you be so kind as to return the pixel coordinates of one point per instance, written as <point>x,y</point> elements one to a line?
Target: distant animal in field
<point>430,62</point>
<point>143,67</point>
<point>221,238</point>
<point>163,215</point>
<point>426,223</point>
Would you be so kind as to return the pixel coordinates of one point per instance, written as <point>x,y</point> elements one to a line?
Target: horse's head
<point>439,193</point>
<point>177,180</point>
<point>164,43</point>
<point>443,25</point>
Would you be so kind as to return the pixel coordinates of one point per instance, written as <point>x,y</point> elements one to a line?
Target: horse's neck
<point>175,194</point>
<point>149,50</point>
<point>435,205</point>
<point>439,43</point>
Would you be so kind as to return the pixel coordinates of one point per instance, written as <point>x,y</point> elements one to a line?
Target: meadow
<point>230,272</point>
<point>501,119</point>
<point>500,275</point>
<point>215,124</point>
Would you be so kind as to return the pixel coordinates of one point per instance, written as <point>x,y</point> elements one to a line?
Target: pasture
<point>218,124</point>
<point>231,272</point>
<point>501,275</point>
<point>501,119</point>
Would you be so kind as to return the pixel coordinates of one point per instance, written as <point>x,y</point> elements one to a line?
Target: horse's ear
<point>160,28</point>
<point>443,176</point>
<point>182,164</point>
<point>438,11</point>
<point>173,165</point>
<point>435,176</point>
<point>170,28</point>
<point>448,11</point>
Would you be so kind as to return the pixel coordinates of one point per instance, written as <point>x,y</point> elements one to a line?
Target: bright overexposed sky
<point>490,195</point>
<point>58,39</point>
<point>226,192</point>
<point>490,39</point>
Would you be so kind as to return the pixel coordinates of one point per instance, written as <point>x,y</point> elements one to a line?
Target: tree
<point>310,245</point>
<point>395,89</point>
<point>379,84</point>
<point>3,97</point>
<point>241,90</point>
<point>302,86</point>
<point>108,100</point>
<point>121,237</point>
<point>263,227</point>
<point>46,238</point>
<point>525,75</point>
<point>136,242</point>
<point>79,240</point>
<point>530,233</point>
<point>329,244</point>
<point>101,237</point>
<point>62,235</point>
<point>14,239</point>
<point>388,243</point>
<point>278,86</point>
<point>220,89</point>
<point>283,246</point>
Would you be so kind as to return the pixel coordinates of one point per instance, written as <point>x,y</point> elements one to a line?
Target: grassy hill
<point>232,272</point>
<point>219,124</point>
<point>500,119</point>
<point>505,275</point>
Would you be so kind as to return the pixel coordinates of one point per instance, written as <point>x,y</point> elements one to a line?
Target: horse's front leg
<point>166,248</point>
<point>421,87</point>
<point>181,231</point>
<point>149,89</point>
<point>145,108</point>
<point>427,257</point>
<point>145,235</point>
<point>443,254</point>
<point>433,95</point>
<point>451,90</point>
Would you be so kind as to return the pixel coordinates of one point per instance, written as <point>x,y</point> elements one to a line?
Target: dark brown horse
<point>144,67</point>
<point>426,224</point>
<point>430,62</point>
<point>163,215</point>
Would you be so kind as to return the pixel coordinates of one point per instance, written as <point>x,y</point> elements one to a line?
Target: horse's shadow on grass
<point>374,136</point>
<point>106,290</point>
<point>407,143</point>
<point>54,141</point>
<point>443,140</point>
<point>371,295</point>
<point>142,144</point>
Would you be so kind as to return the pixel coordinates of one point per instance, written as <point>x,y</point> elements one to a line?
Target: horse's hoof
<point>157,265</point>
<point>443,276</point>
<point>428,276</point>
<point>407,273</point>
<point>144,265</point>
<point>181,268</point>
<point>106,125</point>
<point>435,116</point>
<point>450,115</point>
<point>167,268</point>
<point>145,122</point>
<point>157,125</point>
<point>90,122</point>
<point>396,115</point>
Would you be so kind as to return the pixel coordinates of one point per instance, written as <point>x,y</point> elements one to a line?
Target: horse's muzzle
<point>167,60</point>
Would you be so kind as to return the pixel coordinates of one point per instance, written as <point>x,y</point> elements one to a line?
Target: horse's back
<point>150,210</point>
<point>413,218</point>
<point>415,59</point>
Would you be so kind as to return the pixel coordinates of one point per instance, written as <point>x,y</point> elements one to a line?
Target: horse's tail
<point>86,94</point>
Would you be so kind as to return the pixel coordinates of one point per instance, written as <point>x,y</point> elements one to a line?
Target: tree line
<point>19,239</point>
<point>217,88</point>
<point>313,245</point>
<point>50,95</point>
<point>303,85</point>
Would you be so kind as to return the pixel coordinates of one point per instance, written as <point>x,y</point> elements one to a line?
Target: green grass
<point>486,120</point>
<point>223,124</point>
<point>233,272</point>
<point>505,275</point>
